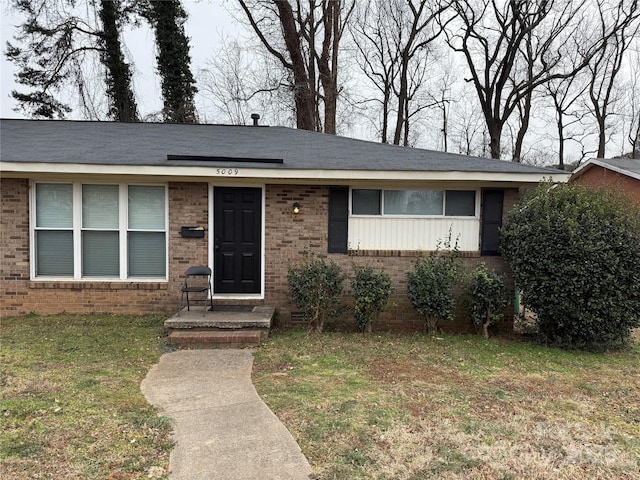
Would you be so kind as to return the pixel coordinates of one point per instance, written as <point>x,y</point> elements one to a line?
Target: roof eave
<point>30,169</point>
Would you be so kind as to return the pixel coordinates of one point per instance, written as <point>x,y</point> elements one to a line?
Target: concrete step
<point>186,339</point>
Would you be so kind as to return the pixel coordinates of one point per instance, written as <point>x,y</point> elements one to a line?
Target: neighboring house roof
<point>625,166</point>
<point>192,150</point>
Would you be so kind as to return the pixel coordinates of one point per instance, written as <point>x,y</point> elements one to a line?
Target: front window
<point>419,203</point>
<point>112,231</point>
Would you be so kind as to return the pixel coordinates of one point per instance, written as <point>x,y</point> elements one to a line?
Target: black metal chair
<point>196,280</point>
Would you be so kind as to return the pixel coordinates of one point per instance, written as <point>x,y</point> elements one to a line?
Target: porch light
<point>296,207</point>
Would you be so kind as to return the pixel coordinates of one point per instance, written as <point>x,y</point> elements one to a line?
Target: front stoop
<point>221,327</point>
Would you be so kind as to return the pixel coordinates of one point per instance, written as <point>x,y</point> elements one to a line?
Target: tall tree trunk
<point>495,137</point>
<point>560,124</point>
<point>177,82</point>
<point>635,141</point>
<point>328,73</point>
<point>522,131</point>
<point>385,113</point>
<point>303,95</point>
<point>122,101</point>
<point>402,98</point>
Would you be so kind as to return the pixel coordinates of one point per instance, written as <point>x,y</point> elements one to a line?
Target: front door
<point>237,223</point>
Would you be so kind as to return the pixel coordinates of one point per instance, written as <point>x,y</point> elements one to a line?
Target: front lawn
<point>70,400</point>
<point>388,407</point>
<point>378,406</point>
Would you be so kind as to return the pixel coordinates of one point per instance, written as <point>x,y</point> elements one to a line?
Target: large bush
<point>430,287</point>
<point>371,291</point>
<point>576,255</point>
<point>316,286</point>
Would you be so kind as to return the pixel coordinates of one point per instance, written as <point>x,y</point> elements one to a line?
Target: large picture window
<point>448,203</point>
<point>92,231</point>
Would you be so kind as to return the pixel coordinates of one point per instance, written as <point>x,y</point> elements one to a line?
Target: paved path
<point>222,430</point>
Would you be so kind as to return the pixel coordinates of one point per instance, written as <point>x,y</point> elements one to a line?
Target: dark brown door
<point>492,202</point>
<point>237,248</point>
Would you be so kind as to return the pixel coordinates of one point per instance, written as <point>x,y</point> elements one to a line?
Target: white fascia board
<point>16,169</point>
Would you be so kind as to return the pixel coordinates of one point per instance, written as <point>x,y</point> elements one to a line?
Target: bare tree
<point>565,95</point>
<point>623,21</point>
<point>237,83</point>
<point>305,38</point>
<point>511,48</point>
<point>394,40</point>
<point>377,54</point>
<point>466,125</point>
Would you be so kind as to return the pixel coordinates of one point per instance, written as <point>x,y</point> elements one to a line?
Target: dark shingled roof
<point>630,165</point>
<point>149,144</point>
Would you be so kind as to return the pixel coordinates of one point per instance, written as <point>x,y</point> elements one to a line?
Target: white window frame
<point>476,214</point>
<point>123,230</point>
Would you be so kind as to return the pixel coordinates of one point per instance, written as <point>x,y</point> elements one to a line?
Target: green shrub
<point>430,286</point>
<point>371,291</point>
<point>488,297</point>
<point>575,253</point>
<point>316,287</point>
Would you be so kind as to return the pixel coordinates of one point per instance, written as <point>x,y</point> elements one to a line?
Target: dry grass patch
<point>70,398</point>
<point>455,407</point>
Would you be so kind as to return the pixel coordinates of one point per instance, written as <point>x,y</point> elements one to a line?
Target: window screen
<point>147,254</point>
<point>413,202</point>
<point>146,207</point>
<point>460,203</point>
<point>365,202</point>
<point>54,205</point>
<point>54,253</point>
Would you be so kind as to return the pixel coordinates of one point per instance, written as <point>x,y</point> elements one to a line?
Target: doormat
<point>231,308</point>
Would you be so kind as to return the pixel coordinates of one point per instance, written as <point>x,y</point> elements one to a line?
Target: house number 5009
<point>227,171</point>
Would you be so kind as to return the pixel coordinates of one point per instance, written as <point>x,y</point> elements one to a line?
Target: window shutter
<point>338,219</point>
<point>492,202</point>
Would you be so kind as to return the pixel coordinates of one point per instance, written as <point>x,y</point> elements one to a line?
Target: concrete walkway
<point>222,430</point>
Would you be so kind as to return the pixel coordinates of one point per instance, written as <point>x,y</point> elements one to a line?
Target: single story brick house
<point>622,174</point>
<point>106,217</point>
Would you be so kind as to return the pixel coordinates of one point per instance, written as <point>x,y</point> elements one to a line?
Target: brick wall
<point>19,295</point>
<point>598,177</point>
<point>288,234</point>
<point>14,245</point>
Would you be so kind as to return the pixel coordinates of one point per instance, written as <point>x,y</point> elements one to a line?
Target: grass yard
<point>453,407</point>
<point>70,401</point>
<point>376,406</point>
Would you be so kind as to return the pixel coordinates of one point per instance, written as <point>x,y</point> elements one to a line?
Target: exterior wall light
<point>296,207</point>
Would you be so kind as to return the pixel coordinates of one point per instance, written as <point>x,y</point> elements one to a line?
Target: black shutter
<point>492,202</point>
<point>338,219</point>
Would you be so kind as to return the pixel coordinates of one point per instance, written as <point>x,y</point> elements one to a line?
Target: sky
<point>207,21</point>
